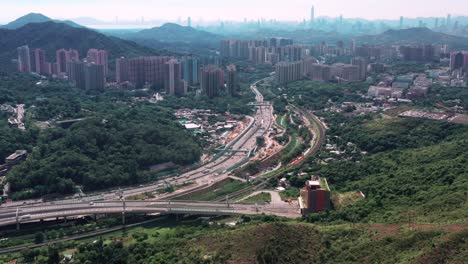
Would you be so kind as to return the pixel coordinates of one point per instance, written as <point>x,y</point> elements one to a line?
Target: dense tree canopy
<point>114,144</point>
<point>103,151</point>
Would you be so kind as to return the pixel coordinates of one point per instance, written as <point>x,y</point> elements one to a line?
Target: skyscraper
<point>92,55</point>
<point>24,59</point>
<point>212,80</point>
<point>401,22</point>
<point>350,73</point>
<point>232,84</point>
<point>321,72</point>
<point>40,61</point>
<point>190,69</point>
<point>104,61</point>
<point>121,70</point>
<point>76,74</point>
<point>173,83</point>
<point>94,77</point>
<point>99,57</point>
<point>86,76</point>
<point>312,15</point>
<point>73,55</point>
<point>288,72</point>
<point>465,62</point>
<point>456,60</point>
<point>428,52</point>
<point>362,65</point>
<point>64,57</point>
<point>61,56</point>
<point>142,70</point>
<point>189,22</point>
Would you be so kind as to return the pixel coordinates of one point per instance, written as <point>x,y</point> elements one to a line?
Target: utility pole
<point>227,200</point>
<point>17,219</point>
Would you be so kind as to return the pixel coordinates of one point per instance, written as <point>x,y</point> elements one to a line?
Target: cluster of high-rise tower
<point>88,73</point>
<point>173,75</point>
<point>176,76</point>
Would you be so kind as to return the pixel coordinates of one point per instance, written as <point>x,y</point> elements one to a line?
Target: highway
<point>51,211</point>
<point>219,169</point>
<point>210,173</point>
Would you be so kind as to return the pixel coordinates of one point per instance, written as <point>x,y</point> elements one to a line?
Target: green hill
<point>414,36</point>
<point>265,240</point>
<point>35,18</point>
<point>175,34</point>
<point>419,169</point>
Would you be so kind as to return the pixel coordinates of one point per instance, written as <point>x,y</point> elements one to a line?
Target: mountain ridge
<point>36,18</point>
<point>413,36</point>
<point>174,33</point>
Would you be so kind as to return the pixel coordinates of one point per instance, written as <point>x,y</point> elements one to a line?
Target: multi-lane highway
<point>211,172</point>
<point>219,168</point>
<point>50,211</point>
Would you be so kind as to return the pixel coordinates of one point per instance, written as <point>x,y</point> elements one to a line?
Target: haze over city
<point>242,131</point>
<point>213,10</point>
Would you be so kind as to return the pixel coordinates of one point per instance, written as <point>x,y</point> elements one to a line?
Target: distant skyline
<point>213,10</point>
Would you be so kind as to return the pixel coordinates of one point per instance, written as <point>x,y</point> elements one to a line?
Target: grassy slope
<point>303,243</point>
<point>258,198</point>
<point>264,241</point>
<point>429,182</point>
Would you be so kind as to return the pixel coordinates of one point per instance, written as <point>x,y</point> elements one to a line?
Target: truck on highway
<point>24,217</point>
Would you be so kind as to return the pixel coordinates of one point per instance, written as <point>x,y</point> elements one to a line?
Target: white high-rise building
<point>312,15</point>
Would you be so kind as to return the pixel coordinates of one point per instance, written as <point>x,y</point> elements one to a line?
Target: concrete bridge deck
<point>11,216</point>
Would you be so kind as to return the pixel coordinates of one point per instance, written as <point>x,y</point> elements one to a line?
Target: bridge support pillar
<point>123,211</point>
<point>17,226</point>
<point>65,219</point>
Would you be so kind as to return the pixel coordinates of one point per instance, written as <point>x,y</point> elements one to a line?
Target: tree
<point>39,238</point>
<point>29,255</point>
<point>53,255</point>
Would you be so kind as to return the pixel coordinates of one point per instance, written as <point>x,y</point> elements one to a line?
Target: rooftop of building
<point>318,183</point>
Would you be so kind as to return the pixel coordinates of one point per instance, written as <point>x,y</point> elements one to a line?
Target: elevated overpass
<point>24,214</point>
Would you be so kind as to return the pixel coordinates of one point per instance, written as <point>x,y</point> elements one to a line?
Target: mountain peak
<point>171,25</point>
<point>34,18</point>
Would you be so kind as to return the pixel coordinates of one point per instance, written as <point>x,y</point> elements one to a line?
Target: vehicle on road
<point>28,216</point>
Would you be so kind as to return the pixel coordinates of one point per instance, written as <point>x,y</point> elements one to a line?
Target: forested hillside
<point>114,144</point>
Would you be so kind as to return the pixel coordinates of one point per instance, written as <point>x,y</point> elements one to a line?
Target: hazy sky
<point>230,9</point>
